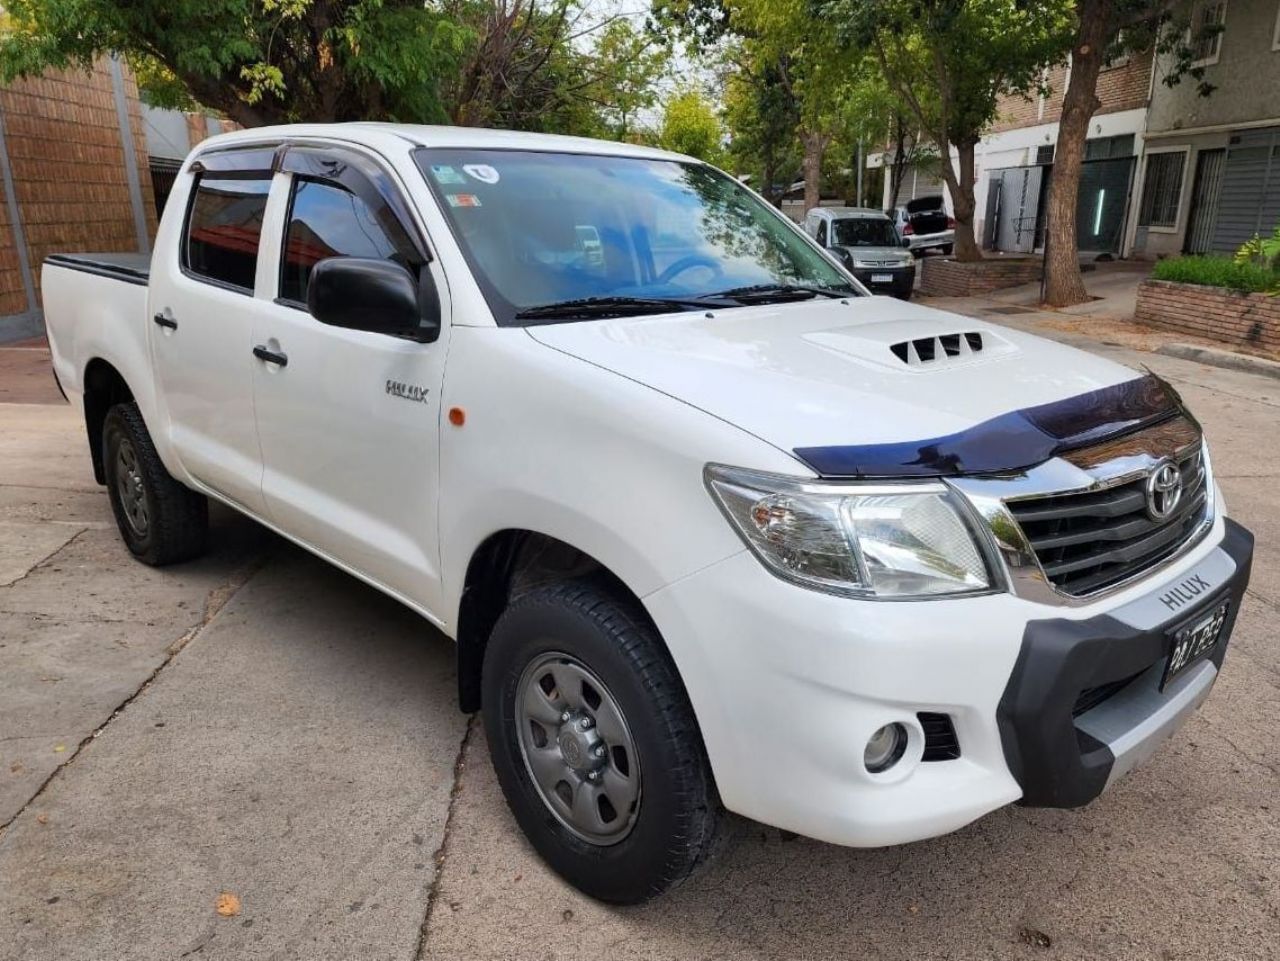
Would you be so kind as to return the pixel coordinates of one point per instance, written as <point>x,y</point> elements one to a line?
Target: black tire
<point>946,249</point>
<point>676,820</point>
<point>176,524</point>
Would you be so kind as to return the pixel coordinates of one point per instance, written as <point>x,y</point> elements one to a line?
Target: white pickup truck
<point>712,527</point>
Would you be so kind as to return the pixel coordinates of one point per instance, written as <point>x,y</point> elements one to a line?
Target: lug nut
<point>565,717</point>
<point>585,723</point>
<point>600,751</point>
<point>593,775</point>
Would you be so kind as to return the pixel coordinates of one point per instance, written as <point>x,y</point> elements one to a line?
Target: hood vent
<point>929,350</point>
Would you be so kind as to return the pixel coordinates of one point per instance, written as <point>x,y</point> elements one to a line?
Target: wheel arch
<point>104,387</point>
<point>504,565</point>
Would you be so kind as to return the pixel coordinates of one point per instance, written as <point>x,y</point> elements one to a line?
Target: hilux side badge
<point>405,391</point>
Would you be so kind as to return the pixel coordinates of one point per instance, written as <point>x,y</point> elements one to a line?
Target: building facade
<point>1210,171</point>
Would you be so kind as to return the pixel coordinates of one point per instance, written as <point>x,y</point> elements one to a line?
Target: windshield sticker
<point>463,200</point>
<point>482,172</point>
<point>445,174</point>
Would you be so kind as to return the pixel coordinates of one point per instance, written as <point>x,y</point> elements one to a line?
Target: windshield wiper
<point>779,291</point>
<point>606,307</point>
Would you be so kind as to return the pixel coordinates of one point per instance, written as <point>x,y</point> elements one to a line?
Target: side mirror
<point>379,296</point>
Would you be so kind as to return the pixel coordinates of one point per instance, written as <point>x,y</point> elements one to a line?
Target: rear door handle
<point>270,356</point>
<point>164,320</point>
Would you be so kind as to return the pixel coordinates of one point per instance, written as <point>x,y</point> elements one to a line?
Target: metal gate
<point>1249,198</point>
<point>1013,202</point>
<point>1205,191</point>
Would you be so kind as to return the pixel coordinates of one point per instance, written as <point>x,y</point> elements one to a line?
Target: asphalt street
<point>256,756</point>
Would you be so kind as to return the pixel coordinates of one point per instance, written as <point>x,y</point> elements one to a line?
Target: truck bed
<point>131,268</point>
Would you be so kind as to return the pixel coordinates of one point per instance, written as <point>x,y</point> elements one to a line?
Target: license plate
<point>882,278</point>
<point>1194,642</point>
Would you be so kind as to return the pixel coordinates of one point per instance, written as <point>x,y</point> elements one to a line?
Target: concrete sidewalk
<point>259,733</point>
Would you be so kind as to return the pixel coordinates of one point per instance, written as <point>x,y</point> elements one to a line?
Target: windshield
<point>542,229</point>
<point>863,232</point>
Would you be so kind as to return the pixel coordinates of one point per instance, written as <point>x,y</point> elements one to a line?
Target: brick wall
<point>1120,88</point>
<point>68,167</point>
<point>1215,313</point>
<point>952,278</point>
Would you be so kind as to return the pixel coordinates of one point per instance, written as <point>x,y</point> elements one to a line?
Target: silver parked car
<point>865,241</point>
<point>924,224</point>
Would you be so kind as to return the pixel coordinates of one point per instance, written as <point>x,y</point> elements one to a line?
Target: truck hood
<point>871,370</point>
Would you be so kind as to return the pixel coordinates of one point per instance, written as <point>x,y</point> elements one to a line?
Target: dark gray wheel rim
<point>133,498</point>
<point>578,749</point>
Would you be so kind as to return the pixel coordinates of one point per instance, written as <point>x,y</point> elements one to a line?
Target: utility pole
<point>861,164</point>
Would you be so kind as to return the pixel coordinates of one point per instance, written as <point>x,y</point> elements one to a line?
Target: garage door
<point>1250,199</point>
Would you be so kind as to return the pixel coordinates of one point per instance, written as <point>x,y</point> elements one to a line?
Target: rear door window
<point>224,226</point>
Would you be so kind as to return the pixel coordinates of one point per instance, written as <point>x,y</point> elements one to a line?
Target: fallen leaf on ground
<point>227,905</point>
<point>42,819</point>
<point>59,748</point>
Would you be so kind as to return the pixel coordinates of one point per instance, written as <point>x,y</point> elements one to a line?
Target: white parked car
<point>925,225</point>
<point>711,527</point>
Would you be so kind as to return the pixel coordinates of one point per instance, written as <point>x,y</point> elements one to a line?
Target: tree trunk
<point>815,145</point>
<point>1064,284</point>
<point>898,172</point>
<point>960,186</point>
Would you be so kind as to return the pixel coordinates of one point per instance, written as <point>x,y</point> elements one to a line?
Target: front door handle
<point>270,356</point>
<point>164,320</point>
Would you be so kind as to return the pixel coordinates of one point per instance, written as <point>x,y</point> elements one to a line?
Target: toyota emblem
<point>1164,491</point>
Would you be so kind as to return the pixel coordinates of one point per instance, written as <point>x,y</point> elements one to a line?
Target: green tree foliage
<point>690,126</point>
<point>522,64</point>
<point>627,64</point>
<point>257,61</point>
<point>762,115</point>
<point>947,62</point>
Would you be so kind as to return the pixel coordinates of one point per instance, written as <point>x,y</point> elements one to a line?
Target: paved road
<point>260,726</point>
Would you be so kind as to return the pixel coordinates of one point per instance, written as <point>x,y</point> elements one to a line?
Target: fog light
<point>885,748</point>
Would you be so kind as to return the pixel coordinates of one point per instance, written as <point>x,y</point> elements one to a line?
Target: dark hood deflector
<point>1014,441</point>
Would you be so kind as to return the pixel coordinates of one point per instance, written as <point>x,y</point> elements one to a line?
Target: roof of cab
<point>387,135</point>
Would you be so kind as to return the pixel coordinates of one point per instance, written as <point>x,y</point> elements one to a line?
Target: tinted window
<point>822,232</point>
<point>326,220</point>
<point>224,228</point>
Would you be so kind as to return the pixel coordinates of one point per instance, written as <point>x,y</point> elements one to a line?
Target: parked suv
<point>712,528</point>
<point>925,224</point>
<point>866,242</point>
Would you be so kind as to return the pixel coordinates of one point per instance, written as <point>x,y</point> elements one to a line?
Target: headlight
<point>862,540</point>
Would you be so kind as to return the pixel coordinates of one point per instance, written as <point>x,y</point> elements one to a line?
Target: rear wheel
<point>160,520</point>
<point>595,744</point>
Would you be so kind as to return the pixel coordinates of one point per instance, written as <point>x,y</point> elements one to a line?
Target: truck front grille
<point>1089,540</point>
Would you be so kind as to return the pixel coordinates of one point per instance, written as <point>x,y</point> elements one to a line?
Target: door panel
<point>349,427</point>
<point>1204,201</point>
<point>201,353</point>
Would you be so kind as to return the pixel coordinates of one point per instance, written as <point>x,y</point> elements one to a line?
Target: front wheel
<point>595,744</point>
<point>946,249</point>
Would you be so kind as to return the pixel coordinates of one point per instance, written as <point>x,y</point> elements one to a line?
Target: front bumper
<point>901,282</point>
<point>945,238</point>
<point>788,684</point>
<point>1064,759</point>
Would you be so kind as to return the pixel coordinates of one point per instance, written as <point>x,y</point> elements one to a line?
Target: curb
<point>1227,359</point>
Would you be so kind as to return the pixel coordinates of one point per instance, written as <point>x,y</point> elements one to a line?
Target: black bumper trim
<point>1056,763</point>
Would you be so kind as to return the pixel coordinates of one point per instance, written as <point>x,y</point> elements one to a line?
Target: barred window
<point>1162,189</point>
